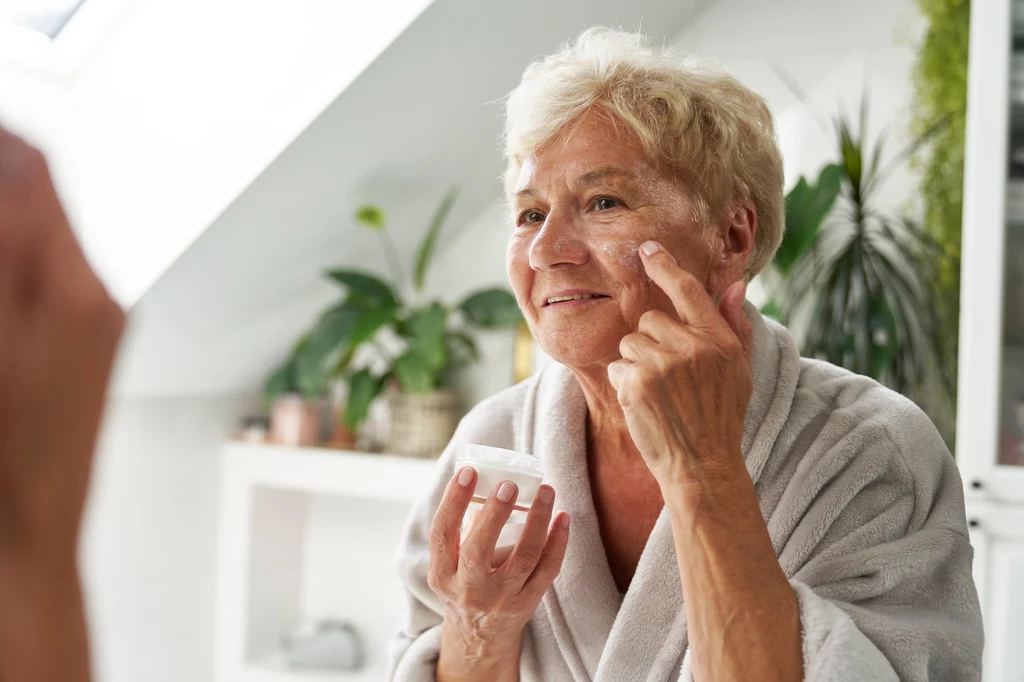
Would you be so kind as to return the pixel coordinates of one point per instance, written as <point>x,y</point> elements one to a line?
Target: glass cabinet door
<point>1011,409</point>
<point>990,410</point>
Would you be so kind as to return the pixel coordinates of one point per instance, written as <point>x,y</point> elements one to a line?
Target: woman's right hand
<point>487,608</point>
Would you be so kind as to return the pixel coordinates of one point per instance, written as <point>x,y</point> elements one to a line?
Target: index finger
<point>447,521</point>
<point>692,303</point>
<point>31,210</point>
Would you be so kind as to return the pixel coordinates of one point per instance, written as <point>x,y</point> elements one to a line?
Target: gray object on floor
<point>324,645</point>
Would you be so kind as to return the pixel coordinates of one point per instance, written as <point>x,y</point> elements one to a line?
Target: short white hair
<point>703,126</point>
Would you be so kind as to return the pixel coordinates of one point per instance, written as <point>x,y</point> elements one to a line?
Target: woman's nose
<point>557,244</point>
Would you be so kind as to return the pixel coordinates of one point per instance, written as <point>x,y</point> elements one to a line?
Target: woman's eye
<point>605,203</point>
<point>530,217</point>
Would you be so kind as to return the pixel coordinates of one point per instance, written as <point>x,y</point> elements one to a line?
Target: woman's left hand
<point>684,384</point>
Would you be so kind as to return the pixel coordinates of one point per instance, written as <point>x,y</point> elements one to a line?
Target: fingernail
<point>546,495</point>
<point>564,520</point>
<point>650,248</point>
<point>465,476</point>
<point>506,491</point>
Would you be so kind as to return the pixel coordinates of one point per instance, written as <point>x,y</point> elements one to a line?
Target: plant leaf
<point>807,206</point>
<point>330,338</point>
<point>883,337</point>
<point>282,381</point>
<point>852,155</point>
<point>426,250</point>
<point>426,329</point>
<point>911,149</point>
<point>462,350</point>
<point>414,374</point>
<point>876,159</point>
<point>491,309</point>
<point>771,309</point>
<point>365,289</point>
<point>370,217</point>
<point>363,388</point>
<point>370,322</point>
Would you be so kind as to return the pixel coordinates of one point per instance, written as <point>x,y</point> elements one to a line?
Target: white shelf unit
<point>332,472</point>
<point>308,532</point>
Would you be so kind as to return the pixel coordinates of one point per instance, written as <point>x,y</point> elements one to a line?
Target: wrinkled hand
<point>684,384</point>
<point>486,608</point>
<point>59,330</point>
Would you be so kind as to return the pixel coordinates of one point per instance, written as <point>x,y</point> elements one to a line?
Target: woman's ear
<point>734,246</point>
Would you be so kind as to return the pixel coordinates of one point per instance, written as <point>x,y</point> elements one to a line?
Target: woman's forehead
<point>539,171</point>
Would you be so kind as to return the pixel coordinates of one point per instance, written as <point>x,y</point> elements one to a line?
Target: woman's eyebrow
<point>588,179</point>
<point>598,175</point>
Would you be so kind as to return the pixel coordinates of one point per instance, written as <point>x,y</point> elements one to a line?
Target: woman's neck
<point>607,432</point>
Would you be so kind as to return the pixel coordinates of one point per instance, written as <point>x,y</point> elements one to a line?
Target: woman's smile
<point>567,300</point>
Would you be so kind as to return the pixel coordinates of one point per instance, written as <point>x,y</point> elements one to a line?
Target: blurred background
<point>299,202</point>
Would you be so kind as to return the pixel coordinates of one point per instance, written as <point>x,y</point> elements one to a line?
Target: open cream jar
<point>494,465</point>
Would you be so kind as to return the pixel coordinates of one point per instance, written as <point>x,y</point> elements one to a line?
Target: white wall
<point>149,551</point>
<point>835,51</point>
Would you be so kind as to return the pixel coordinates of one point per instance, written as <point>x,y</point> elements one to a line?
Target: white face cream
<point>494,465</point>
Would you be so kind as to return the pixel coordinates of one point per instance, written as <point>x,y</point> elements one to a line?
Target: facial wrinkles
<point>669,210</point>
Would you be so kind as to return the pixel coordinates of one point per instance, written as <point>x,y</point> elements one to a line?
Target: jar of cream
<point>494,465</point>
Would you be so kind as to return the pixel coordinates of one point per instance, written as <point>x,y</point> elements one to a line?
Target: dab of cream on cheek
<point>627,253</point>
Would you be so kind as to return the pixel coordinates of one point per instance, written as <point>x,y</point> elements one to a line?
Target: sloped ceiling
<point>423,117</point>
<point>156,114</point>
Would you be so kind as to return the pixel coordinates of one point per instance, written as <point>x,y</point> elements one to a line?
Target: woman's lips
<point>573,300</point>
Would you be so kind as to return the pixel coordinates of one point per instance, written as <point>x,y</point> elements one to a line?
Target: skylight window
<point>46,17</point>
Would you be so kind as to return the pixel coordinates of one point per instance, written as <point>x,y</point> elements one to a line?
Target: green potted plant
<point>294,414</point>
<point>418,345</point>
<point>853,279</point>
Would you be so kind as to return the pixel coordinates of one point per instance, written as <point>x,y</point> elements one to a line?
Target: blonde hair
<point>707,129</point>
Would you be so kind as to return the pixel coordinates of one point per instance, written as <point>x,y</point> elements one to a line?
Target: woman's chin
<point>572,351</point>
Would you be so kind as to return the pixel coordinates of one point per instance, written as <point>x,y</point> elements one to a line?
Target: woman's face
<point>583,205</point>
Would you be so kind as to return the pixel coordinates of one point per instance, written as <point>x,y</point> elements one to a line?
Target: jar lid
<point>499,458</point>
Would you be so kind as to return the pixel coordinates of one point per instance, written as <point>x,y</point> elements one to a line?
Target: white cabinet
<point>308,532</point>
<point>997,533</point>
<point>990,412</point>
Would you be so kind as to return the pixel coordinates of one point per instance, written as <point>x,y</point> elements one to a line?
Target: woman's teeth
<point>577,297</point>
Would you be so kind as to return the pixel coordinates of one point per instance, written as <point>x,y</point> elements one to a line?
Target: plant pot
<point>421,425</point>
<point>294,421</point>
<point>341,438</point>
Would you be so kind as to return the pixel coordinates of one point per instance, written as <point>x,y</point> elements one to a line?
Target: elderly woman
<point>725,509</point>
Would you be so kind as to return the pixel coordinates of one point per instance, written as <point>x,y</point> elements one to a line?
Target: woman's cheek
<point>517,264</point>
<point>625,254</point>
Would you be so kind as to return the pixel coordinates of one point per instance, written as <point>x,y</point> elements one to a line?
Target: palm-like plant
<point>436,338</point>
<point>855,278</point>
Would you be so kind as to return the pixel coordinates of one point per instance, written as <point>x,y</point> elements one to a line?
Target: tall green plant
<point>436,338</point>
<point>940,94</point>
<point>855,278</point>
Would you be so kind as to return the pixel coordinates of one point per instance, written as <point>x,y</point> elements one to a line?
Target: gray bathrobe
<point>862,500</point>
